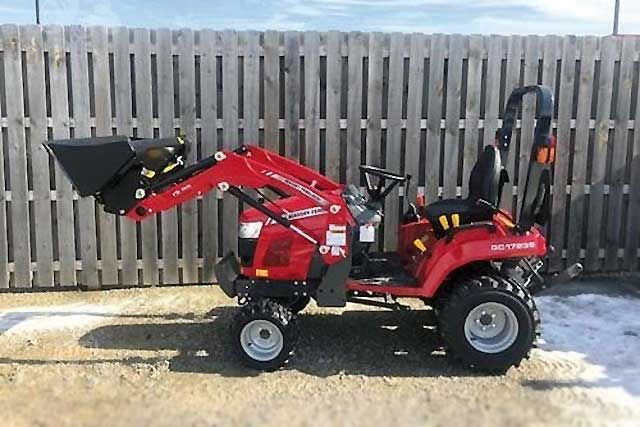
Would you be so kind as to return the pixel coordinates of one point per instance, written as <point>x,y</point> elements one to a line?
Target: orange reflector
<point>262,273</point>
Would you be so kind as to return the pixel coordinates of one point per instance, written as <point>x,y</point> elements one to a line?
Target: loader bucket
<point>91,163</point>
<point>115,168</point>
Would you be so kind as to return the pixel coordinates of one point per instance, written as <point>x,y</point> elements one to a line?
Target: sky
<point>427,16</point>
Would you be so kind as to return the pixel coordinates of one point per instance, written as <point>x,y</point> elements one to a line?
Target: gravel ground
<point>161,357</point>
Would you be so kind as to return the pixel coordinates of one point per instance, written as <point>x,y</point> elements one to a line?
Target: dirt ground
<point>161,357</point>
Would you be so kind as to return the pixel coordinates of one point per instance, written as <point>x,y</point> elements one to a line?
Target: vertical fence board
<point>472,112</point>
<point>230,132</point>
<point>4,249</point>
<point>102,97</point>
<point>82,129</point>
<point>512,81</point>
<point>17,156</point>
<point>166,114</point>
<point>452,121</point>
<point>271,91</point>
<point>354,107</point>
<point>124,126</point>
<point>144,117</point>
<point>531,65</point>
<point>599,163</point>
<point>292,94</point>
<point>394,137</point>
<point>186,67</point>
<point>434,115</point>
<point>492,102</point>
<point>32,42</point>
<point>561,165</point>
<point>54,43</point>
<point>580,151</point>
<point>251,86</point>
<point>414,112</point>
<point>374,99</point>
<point>334,89</point>
<point>312,99</point>
<point>209,108</point>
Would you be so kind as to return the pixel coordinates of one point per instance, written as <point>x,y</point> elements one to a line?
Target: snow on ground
<point>49,318</point>
<point>599,333</point>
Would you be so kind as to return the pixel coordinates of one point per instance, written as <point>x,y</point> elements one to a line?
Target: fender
<point>475,245</point>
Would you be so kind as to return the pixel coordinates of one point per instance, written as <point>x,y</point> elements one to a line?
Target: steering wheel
<point>379,191</point>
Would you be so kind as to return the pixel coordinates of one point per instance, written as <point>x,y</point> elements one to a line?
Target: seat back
<point>485,182</point>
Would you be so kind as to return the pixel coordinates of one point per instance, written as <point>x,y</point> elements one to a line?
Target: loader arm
<point>229,171</point>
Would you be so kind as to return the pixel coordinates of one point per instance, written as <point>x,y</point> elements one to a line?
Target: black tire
<point>469,294</point>
<point>278,316</point>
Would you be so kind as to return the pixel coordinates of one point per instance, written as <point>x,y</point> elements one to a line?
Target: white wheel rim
<point>261,340</point>
<point>491,327</point>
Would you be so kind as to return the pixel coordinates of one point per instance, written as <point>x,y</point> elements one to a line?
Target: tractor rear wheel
<point>264,334</point>
<point>489,323</point>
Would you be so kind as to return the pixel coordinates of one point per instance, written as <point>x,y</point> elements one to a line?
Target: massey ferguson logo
<point>511,246</point>
<point>305,213</point>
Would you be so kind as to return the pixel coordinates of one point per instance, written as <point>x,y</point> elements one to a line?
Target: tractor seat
<point>485,183</point>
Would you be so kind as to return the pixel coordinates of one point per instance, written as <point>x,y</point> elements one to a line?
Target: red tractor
<point>307,237</point>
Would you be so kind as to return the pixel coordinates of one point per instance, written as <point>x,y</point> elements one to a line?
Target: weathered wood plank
<point>292,94</point>
<point>55,44</point>
<point>413,145</point>
<point>434,115</point>
<point>561,166</point>
<point>492,102</point>
<point>16,141</point>
<point>374,100</point>
<point>124,126</point>
<point>87,230</point>
<point>613,237</point>
<point>271,90</point>
<point>531,65</point>
<point>354,106</point>
<point>31,37</point>
<point>251,92</point>
<point>144,117</point>
<point>230,132</point>
<point>394,137</point>
<point>209,108</point>
<point>186,67</point>
<point>312,99</point>
<point>452,121</point>
<point>599,162</point>
<point>102,96</point>
<point>166,115</point>
<point>512,81</point>
<point>472,109</point>
<point>580,151</point>
<point>334,90</point>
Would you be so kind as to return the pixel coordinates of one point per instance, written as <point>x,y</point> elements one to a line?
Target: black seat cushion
<point>450,213</point>
<point>484,183</point>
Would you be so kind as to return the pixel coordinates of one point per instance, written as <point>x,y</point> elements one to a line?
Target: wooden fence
<point>421,104</point>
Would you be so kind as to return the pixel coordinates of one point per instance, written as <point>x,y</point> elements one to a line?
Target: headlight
<point>250,230</point>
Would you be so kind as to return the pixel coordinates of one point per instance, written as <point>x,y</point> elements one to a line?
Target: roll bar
<point>535,206</point>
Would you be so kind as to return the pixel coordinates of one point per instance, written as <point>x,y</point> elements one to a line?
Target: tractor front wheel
<point>264,334</point>
<point>489,323</point>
